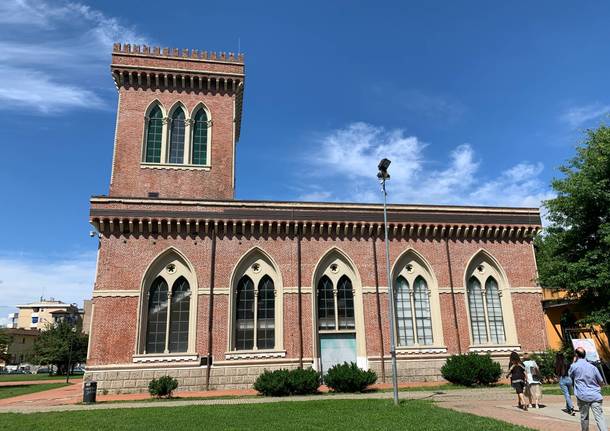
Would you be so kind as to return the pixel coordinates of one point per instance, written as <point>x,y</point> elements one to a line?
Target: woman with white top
<point>534,378</point>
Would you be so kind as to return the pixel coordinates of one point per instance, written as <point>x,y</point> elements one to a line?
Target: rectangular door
<point>336,349</point>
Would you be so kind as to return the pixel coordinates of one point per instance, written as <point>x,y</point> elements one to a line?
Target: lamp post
<point>383,175</point>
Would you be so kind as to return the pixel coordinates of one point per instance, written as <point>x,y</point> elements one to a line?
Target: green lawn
<point>310,415</point>
<point>551,389</point>
<point>13,391</point>
<point>31,377</point>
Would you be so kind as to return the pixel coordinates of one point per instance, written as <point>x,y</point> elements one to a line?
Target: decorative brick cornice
<point>145,217</point>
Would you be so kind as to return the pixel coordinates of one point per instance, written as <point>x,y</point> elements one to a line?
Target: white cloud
<point>51,52</point>
<point>24,279</point>
<point>576,116</point>
<point>347,160</point>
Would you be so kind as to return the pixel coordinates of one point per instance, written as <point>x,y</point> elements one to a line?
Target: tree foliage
<point>5,340</point>
<point>59,344</point>
<point>573,254</point>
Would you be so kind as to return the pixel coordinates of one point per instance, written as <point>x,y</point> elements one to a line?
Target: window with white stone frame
<point>255,306</point>
<point>178,139</point>
<point>168,307</point>
<point>489,305</point>
<point>336,304</point>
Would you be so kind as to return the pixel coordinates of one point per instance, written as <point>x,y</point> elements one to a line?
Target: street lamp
<point>383,175</point>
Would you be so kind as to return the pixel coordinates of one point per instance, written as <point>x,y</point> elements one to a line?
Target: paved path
<point>497,403</point>
<point>38,382</point>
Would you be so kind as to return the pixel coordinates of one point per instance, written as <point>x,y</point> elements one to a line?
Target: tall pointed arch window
<point>154,136</point>
<point>176,137</point>
<point>157,317</point>
<point>255,309</point>
<point>336,304</point>
<point>485,303</point>
<point>494,311</point>
<point>477,311</point>
<point>200,138</point>
<point>167,310</point>
<point>179,316</point>
<point>244,319</point>
<point>413,317</point>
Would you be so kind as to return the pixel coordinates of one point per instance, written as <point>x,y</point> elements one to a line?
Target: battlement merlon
<point>145,58</point>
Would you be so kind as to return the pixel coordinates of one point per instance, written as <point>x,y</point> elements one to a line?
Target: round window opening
<point>256,268</point>
<point>410,268</point>
<point>334,268</point>
<point>171,268</point>
<point>480,268</point>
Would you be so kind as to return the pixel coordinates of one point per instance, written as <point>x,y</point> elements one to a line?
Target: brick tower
<point>178,121</point>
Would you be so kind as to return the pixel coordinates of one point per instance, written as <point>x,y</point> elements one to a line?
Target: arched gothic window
<point>154,136</point>
<point>156,328</point>
<point>485,307</point>
<point>200,138</point>
<point>179,316</point>
<point>413,312</point>
<point>176,137</point>
<point>167,312</point>
<point>339,314</point>
<point>477,311</point>
<point>244,315</point>
<point>256,304</point>
<point>167,330</point>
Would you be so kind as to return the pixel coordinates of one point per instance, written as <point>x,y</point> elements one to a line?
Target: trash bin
<point>89,392</point>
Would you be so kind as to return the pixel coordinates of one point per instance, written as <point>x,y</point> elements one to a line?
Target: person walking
<point>516,372</point>
<point>587,388</point>
<point>534,378</point>
<point>565,382</point>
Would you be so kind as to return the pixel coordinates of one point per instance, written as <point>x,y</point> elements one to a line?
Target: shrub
<point>273,383</point>
<point>471,369</point>
<point>349,378</point>
<point>162,387</point>
<point>304,381</point>
<point>546,364</point>
<point>282,382</point>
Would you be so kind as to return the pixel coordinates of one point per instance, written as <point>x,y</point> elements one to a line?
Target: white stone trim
<point>420,350</point>
<point>164,358</point>
<point>258,354</point>
<point>494,348</point>
<point>115,293</point>
<point>187,167</point>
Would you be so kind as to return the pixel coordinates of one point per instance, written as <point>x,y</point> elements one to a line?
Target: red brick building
<point>195,284</point>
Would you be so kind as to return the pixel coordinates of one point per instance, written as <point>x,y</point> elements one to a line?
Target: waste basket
<point>89,392</point>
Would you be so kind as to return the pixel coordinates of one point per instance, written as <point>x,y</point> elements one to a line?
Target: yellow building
<point>561,314</point>
<point>40,314</point>
<point>21,345</point>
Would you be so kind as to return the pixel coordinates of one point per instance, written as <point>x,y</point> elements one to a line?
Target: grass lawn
<point>551,389</point>
<point>13,391</point>
<point>310,415</point>
<point>31,377</point>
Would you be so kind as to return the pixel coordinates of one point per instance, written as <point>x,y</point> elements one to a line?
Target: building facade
<point>39,315</point>
<point>212,290</point>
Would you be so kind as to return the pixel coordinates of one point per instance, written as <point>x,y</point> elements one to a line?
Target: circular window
<point>409,268</point>
<point>256,268</point>
<point>334,268</point>
<point>171,268</point>
<point>480,268</point>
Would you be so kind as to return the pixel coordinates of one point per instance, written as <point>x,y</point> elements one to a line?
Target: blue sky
<point>475,103</point>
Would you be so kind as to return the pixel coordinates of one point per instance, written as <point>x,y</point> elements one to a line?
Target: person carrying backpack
<point>534,380</point>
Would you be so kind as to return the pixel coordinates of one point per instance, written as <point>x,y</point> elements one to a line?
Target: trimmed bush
<point>280,383</point>
<point>349,378</point>
<point>471,369</point>
<point>162,387</point>
<point>304,381</point>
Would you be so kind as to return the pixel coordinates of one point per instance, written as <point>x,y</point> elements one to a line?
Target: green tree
<point>5,340</point>
<point>60,344</point>
<point>573,254</point>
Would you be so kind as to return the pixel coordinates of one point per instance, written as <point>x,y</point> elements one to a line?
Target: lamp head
<point>383,169</point>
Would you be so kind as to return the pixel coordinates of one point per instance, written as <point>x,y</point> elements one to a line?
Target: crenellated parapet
<point>184,53</point>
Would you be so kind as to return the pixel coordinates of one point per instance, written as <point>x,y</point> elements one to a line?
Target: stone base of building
<point>135,380</point>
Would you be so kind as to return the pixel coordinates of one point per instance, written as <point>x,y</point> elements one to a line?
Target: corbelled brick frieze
<point>117,216</point>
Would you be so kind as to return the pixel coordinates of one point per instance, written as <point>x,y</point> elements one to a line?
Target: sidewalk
<point>39,382</point>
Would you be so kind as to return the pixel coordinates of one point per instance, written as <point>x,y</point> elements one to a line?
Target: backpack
<point>536,375</point>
